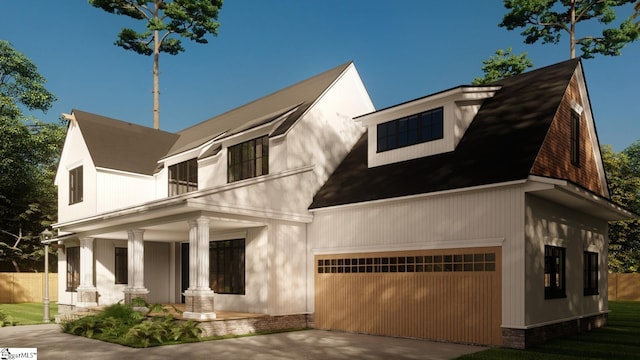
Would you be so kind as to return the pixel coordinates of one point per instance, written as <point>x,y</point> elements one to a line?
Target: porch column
<point>135,266</point>
<point>87,291</point>
<point>199,296</point>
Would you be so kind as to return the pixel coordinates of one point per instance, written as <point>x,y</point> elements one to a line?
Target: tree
<point>623,175</point>
<point>504,64</point>
<point>191,19</point>
<point>29,150</point>
<point>546,20</point>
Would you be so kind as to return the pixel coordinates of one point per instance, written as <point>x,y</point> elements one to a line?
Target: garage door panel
<point>461,306</point>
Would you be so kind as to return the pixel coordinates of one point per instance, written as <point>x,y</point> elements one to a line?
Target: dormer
<point>427,126</point>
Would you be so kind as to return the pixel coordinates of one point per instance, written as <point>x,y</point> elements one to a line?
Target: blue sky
<point>402,49</point>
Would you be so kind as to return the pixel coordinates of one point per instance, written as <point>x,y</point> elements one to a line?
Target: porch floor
<point>220,315</point>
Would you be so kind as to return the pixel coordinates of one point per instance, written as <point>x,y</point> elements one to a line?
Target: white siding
<point>548,223</point>
<point>462,219</point>
<point>76,154</point>
<point>256,277</point>
<point>119,190</point>
<point>104,253</point>
<point>287,268</point>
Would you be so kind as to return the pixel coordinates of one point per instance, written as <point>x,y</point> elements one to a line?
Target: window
<point>121,268</point>
<point>428,263</point>
<point>575,138</point>
<point>183,177</point>
<point>554,272</point>
<point>75,185</point>
<point>410,130</point>
<point>590,273</point>
<point>226,266</point>
<point>248,159</point>
<point>73,268</point>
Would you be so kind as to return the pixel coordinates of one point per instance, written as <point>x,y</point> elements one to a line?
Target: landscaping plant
<point>125,324</point>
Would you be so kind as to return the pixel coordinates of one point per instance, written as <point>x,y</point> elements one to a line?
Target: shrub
<point>6,320</point>
<point>121,323</point>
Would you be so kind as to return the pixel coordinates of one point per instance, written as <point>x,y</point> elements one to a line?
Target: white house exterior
<point>476,215</point>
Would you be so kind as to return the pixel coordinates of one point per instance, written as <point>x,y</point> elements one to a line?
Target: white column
<point>203,254</point>
<point>199,297</point>
<point>135,266</point>
<point>87,291</point>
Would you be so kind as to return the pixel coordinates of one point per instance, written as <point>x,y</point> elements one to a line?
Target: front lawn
<point>618,340</point>
<point>25,313</point>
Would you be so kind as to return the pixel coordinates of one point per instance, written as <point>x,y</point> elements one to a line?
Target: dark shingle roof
<point>299,96</point>
<point>500,145</point>
<point>118,145</point>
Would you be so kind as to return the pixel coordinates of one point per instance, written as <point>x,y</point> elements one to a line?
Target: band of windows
<point>393,264</point>
<point>410,130</point>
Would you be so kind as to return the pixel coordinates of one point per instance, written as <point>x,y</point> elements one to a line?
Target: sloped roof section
<point>118,145</point>
<point>301,95</point>
<point>500,145</point>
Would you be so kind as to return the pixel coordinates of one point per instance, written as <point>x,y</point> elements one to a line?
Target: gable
<point>554,159</point>
<point>118,145</point>
<point>500,145</point>
<point>291,103</point>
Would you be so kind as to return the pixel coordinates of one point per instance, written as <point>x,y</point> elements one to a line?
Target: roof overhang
<point>575,197</point>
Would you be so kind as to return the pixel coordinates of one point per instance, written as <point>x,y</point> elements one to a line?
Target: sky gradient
<point>403,50</point>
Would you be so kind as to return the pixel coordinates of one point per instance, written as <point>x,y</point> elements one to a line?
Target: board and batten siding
<point>462,219</point>
<point>548,223</point>
<point>120,190</point>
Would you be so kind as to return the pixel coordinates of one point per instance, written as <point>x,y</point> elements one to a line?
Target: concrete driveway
<point>52,344</point>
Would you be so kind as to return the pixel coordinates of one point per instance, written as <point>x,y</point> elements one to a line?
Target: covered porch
<point>166,257</point>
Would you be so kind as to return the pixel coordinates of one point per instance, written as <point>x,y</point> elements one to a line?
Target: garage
<point>445,294</point>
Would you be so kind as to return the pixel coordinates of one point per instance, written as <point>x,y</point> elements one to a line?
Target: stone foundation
<point>526,338</point>
<point>255,324</point>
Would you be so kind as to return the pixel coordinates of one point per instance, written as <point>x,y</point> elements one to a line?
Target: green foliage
<point>29,151</point>
<point>546,20</point>
<point>6,319</point>
<point>120,323</point>
<point>163,21</point>
<point>503,65</point>
<point>623,176</point>
<point>26,313</point>
<point>191,19</point>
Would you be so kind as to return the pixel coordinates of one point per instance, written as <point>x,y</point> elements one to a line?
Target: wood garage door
<point>449,295</point>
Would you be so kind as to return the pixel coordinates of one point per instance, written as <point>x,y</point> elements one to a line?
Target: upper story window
<point>248,159</point>
<point>183,177</point>
<point>575,138</point>
<point>75,185</point>
<point>411,130</point>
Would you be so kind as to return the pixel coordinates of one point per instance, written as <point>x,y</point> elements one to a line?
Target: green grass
<point>618,340</point>
<point>27,313</point>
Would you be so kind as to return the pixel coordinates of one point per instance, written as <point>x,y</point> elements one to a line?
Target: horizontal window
<point>410,130</point>
<point>395,264</point>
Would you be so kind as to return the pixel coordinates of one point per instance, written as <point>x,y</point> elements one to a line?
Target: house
<point>476,214</point>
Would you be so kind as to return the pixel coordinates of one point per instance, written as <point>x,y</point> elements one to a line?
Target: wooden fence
<point>624,287</point>
<point>26,287</point>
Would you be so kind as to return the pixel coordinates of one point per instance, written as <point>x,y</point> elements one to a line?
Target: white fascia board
<point>419,196</point>
<point>248,211</point>
<point>437,245</point>
<point>462,93</point>
<point>581,193</point>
